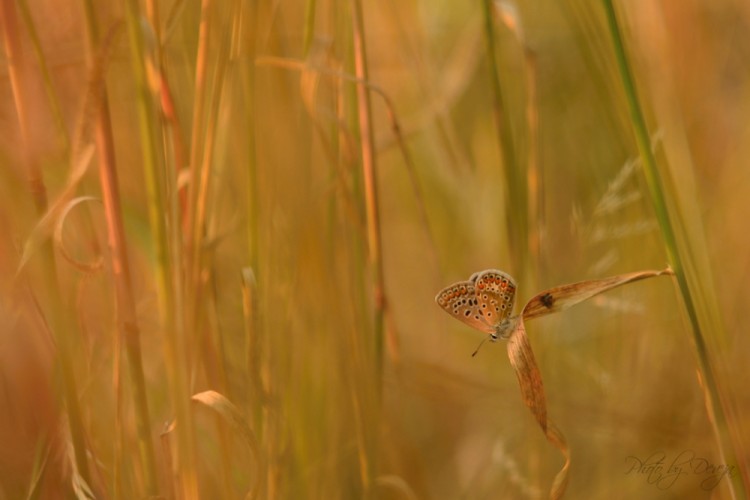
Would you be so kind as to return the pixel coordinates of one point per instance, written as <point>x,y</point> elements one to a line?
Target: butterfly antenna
<point>480,345</point>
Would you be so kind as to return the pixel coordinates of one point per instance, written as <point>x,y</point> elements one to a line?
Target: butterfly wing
<point>460,301</point>
<point>495,294</point>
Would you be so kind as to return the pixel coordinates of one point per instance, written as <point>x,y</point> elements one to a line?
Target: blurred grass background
<point>238,139</point>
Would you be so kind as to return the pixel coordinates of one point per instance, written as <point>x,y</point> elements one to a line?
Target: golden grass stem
<point>199,200</point>
<point>534,173</point>
<point>367,143</point>
<point>61,324</point>
<point>127,323</point>
<point>257,371</point>
<point>374,242</point>
<point>168,282</point>
<point>49,86</point>
<point>201,159</point>
<point>516,204</point>
<point>118,461</point>
<point>212,353</point>
<point>18,75</point>
<point>309,31</point>
<point>201,71</point>
<point>246,32</point>
<point>678,257</point>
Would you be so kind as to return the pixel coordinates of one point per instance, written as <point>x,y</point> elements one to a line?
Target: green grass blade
<point>677,255</point>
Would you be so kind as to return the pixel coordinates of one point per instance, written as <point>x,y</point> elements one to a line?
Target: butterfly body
<point>484,302</point>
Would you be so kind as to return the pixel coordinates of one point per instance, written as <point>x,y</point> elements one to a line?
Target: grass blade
<point>678,256</point>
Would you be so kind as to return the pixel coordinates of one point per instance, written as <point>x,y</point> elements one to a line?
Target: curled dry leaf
<point>46,224</point>
<point>86,267</point>
<point>233,416</point>
<point>221,405</point>
<point>398,485</point>
<point>522,357</point>
<point>529,378</point>
<point>564,296</point>
<point>532,390</point>
<point>556,437</point>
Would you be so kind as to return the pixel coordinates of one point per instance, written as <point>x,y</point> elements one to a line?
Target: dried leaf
<point>564,296</point>
<point>86,267</point>
<point>46,224</point>
<point>523,362</point>
<point>397,484</point>
<point>532,390</point>
<point>81,489</point>
<point>229,412</point>
<point>556,437</point>
<point>41,460</point>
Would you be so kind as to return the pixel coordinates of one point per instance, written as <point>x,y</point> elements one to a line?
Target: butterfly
<point>484,302</point>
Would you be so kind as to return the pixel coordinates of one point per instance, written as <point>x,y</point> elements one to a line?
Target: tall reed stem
<point>374,244</point>
<point>126,316</point>
<point>516,198</point>
<point>168,283</point>
<point>367,142</point>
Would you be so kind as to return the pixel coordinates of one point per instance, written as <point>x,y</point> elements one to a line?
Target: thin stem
<point>516,207</point>
<point>374,243</point>
<point>168,289</point>
<point>199,202</point>
<point>534,174</point>
<point>249,17</point>
<point>201,152</point>
<point>309,31</point>
<point>126,315</point>
<point>49,87</point>
<point>201,70</point>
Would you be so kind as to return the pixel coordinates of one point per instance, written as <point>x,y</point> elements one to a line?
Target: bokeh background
<point>270,284</point>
